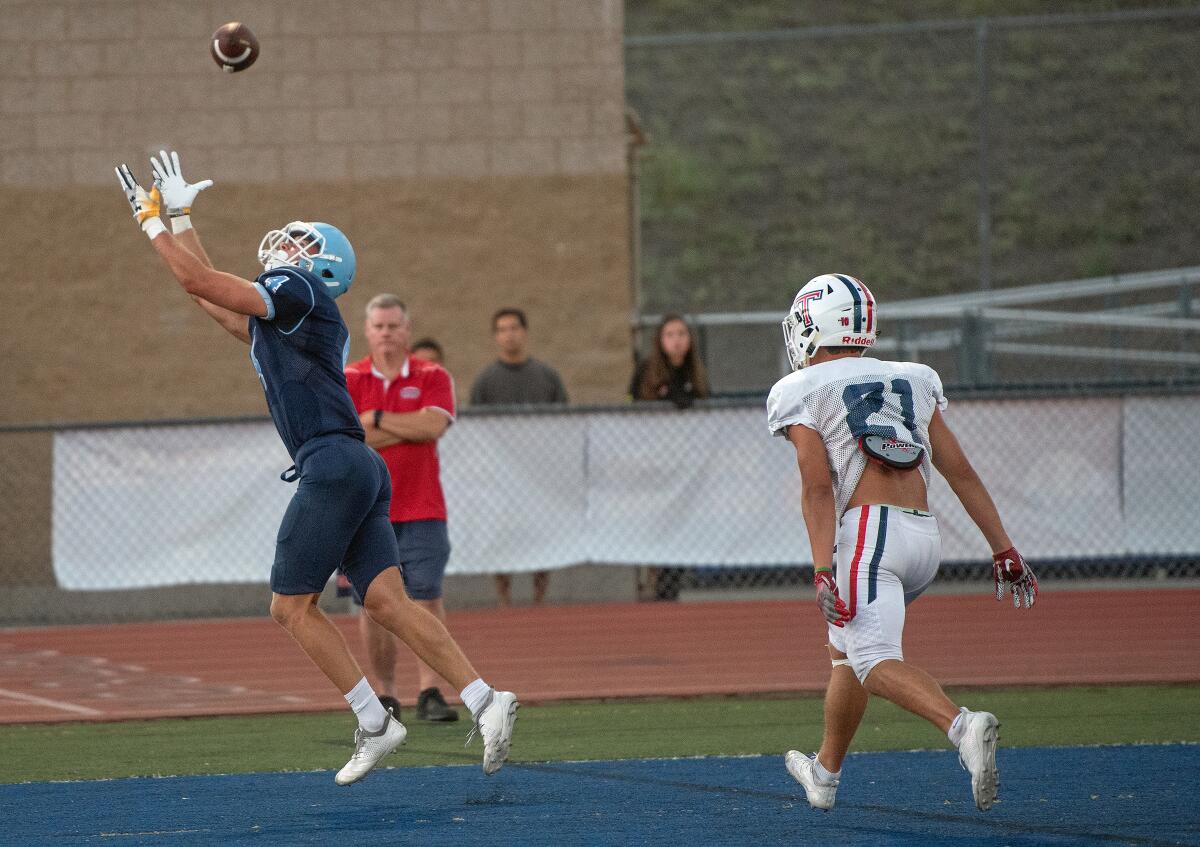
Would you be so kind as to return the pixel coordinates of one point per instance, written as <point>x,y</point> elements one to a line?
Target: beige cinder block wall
<point>473,151</point>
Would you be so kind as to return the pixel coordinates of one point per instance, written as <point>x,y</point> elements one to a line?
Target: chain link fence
<point>1129,329</point>
<point>929,158</point>
<point>180,519</point>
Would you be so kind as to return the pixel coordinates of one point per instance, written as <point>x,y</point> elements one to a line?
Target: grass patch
<point>567,731</point>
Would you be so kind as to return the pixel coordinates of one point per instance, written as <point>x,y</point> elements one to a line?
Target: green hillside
<point>773,160</point>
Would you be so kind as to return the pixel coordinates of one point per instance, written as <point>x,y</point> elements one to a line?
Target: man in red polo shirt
<point>406,404</point>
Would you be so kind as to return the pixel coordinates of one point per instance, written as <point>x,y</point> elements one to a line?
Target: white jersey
<point>844,399</point>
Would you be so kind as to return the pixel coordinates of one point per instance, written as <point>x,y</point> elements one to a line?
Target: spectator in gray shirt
<point>516,378</point>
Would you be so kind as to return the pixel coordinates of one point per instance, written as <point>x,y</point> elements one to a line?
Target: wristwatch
<point>378,417</point>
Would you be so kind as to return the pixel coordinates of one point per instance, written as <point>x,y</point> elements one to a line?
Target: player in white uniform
<point>866,432</point>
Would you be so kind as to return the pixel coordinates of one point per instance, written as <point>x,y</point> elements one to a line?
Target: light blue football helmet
<point>317,247</point>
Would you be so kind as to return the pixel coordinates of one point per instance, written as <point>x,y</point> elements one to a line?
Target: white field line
<point>53,704</point>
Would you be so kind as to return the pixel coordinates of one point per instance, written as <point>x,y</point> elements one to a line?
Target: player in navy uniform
<point>339,514</point>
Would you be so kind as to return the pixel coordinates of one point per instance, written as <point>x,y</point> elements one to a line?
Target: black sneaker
<point>431,706</point>
<point>392,705</point>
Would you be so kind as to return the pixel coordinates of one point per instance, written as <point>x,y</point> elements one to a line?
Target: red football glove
<point>832,606</point>
<point>1012,573</point>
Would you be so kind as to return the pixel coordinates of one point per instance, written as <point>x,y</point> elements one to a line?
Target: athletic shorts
<point>337,517</point>
<point>424,551</point>
<point>886,556</point>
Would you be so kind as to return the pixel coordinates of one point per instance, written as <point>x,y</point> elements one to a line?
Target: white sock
<point>477,696</point>
<point>958,727</point>
<point>825,776</point>
<point>371,714</point>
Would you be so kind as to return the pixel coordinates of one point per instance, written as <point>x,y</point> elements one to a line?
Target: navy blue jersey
<point>299,350</point>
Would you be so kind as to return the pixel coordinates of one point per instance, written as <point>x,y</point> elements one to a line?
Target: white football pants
<point>886,556</point>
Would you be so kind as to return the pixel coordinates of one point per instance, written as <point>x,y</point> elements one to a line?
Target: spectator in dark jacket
<point>673,370</point>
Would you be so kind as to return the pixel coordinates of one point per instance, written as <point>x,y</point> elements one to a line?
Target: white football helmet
<point>831,310</point>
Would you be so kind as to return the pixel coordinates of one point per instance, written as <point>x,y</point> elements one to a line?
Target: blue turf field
<point>1071,796</point>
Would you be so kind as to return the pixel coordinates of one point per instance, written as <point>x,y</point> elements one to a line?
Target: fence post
<point>973,365</point>
<point>985,188</point>
<point>1116,337</point>
<point>1185,311</point>
<point>635,139</point>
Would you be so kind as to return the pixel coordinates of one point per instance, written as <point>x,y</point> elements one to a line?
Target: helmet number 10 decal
<point>864,399</point>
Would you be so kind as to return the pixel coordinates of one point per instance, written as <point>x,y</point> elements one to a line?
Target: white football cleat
<point>495,724</point>
<point>801,767</point>
<point>977,754</point>
<point>369,748</point>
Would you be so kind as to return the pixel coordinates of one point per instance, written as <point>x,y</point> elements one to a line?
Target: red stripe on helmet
<point>870,305</point>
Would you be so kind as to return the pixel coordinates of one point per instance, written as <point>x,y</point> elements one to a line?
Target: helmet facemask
<point>799,340</point>
<point>296,245</point>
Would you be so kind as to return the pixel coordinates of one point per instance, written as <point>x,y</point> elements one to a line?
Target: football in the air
<point>234,47</point>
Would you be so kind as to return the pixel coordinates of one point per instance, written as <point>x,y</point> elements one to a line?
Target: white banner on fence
<point>177,505</point>
<point>1054,470</point>
<point>136,508</point>
<point>516,492</point>
<point>694,488</point>
<point>1162,455</point>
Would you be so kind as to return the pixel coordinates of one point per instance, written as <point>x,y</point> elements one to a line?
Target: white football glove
<point>145,206</point>
<point>177,193</point>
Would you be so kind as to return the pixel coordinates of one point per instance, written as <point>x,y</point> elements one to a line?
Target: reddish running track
<point>243,666</point>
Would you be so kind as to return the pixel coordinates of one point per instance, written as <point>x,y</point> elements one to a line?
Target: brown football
<point>234,47</point>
